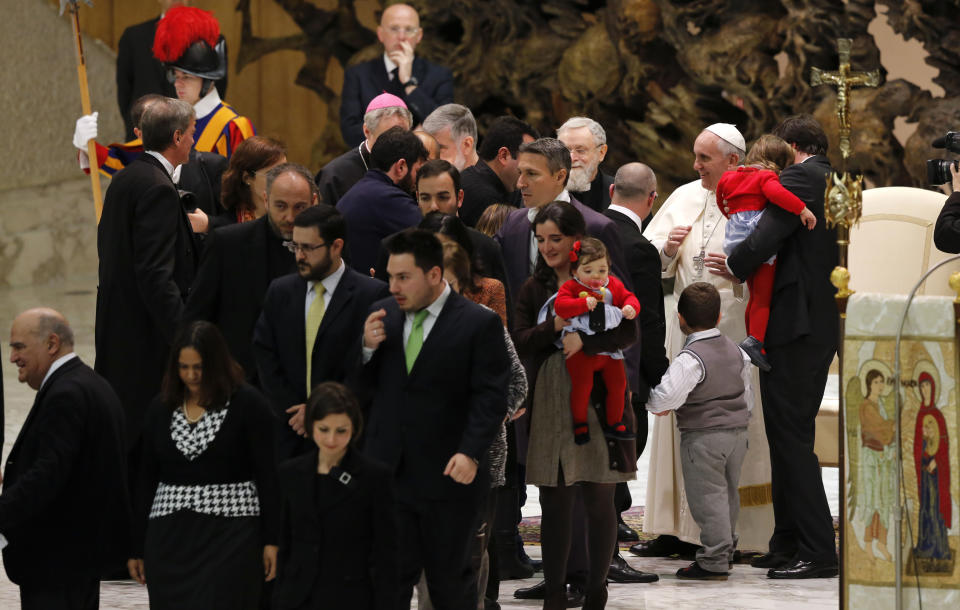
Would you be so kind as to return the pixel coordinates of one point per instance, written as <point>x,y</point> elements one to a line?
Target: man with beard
<point>382,203</point>
<point>240,261</point>
<point>587,142</point>
<point>338,176</point>
<point>310,322</point>
<point>455,130</point>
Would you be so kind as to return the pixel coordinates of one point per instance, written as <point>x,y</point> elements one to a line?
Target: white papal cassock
<point>666,509</point>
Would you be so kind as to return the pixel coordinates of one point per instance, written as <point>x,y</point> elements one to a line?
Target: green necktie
<point>314,316</point>
<point>415,341</point>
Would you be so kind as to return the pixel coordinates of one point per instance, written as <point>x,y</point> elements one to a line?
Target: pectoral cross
<point>698,263</point>
<point>844,80</point>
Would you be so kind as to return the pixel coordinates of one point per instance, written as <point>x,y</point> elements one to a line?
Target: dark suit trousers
<point>82,595</point>
<point>436,537</point>
<point>792,392</point>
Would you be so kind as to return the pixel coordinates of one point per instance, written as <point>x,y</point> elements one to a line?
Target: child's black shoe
<point>581,433</point>
<point>754,349</point>
<point>619,431</point>
<point>695,572</point>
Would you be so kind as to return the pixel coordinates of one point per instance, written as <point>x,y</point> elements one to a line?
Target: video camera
<point>938,170</point>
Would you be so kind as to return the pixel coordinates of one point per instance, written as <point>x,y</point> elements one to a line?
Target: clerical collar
<point>207,103</point>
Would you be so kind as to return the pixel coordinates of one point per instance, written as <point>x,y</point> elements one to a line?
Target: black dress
<point>207,504</point>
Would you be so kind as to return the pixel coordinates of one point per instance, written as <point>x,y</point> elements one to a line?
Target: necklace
<point>698,265</point>
<point>186,415</point>
<point>360,150</point>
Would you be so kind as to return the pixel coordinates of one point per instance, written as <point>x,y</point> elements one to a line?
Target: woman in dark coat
<point>207,503</point>
<point>338,536</point>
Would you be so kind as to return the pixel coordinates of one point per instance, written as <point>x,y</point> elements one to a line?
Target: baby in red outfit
<point>742,195</point>
<point>577,301</point>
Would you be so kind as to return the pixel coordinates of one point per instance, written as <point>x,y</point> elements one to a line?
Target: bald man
<point>422,85</point>
<point>64,514</point>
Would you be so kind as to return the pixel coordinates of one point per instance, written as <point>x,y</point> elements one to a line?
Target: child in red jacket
<point>744,193</point>
<point>577,301</point>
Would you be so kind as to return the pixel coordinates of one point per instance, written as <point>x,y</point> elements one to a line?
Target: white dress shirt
<point>330,284</point>
<point>433,312</point>
<point>629,214</point>
<point>683,375</point>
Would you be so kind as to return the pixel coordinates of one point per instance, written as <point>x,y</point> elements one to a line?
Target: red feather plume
<point>180,27</point>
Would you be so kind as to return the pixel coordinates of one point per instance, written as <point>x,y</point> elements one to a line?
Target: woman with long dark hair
<point>245,181</point>
<point>207,504</point>
<point>554,462</point>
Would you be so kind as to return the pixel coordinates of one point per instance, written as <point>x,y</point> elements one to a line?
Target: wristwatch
<point>413,81</point>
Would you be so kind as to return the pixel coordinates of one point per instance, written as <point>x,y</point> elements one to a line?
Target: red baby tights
<point>758,307</point>
<point>581,367</point>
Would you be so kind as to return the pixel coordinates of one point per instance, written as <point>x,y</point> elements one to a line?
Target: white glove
<point>86,130</point>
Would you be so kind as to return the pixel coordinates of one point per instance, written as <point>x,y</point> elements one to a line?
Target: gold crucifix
<point>844,80</point>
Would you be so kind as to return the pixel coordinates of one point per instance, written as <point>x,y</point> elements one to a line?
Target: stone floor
<point>747,587</point>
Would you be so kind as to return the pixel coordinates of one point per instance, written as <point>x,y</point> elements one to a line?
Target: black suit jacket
<point>649,355</point>
<point>338,176</point>
<point>344,551</point>
<point>279,339</point>
<point>946,233</point>
<point>231,282</point>
<point>65,506</point>
<point>147,264</point>
<point>514,240</point>
<point>367,80</point>
<point>139,73</point>
<point>598,197</point>
<point>452,401</point>
<point>803,303</point>
<point>203,177</point>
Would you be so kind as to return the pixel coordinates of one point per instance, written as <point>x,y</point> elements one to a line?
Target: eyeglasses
<point>305,248</point>
<point>582,151</point>
<point>396,30</point>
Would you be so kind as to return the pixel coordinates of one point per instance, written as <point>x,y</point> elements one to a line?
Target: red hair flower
<point>575,252</point>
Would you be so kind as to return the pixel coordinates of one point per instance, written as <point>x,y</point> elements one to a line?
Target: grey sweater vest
<point>718,401</point>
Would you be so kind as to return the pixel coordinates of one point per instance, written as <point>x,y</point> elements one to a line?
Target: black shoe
<point>754,349</point>
<point>665,546</point>
<point>771,560</point>
<point>511,565</point>
<point>539,591</point>
<point>596,599</point>
<point>620,571</point>
<point>619,432</point>
<point>625,533</point>
<point>695,572</point>
<point>806,569</point>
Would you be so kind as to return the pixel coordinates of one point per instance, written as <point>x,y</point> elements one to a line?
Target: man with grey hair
<point>455,130</point>
<point>147,263</point>
<point>587,142</point>
<point>239,262</point>
<point>687,231</point>
<point>64,508</point>
<point>337,176</point>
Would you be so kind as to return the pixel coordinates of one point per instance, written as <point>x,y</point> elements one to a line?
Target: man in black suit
<point>421,84</point>
<point>632,196</point>
<point>138,72</point>
<point>240,261</point>
<point>800,344</point>
<point>587,142</point>
<point>147,263</point>
<point>64,515</point>
<point>544,167</point>
<point>455,130</point>
<point>381,203</point>
<point>493,179</point>
<point>433,417</point>
<point>321,308</point>
<point>338,176</point>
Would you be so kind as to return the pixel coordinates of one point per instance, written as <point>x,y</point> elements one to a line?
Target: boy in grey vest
<point>708,384</point>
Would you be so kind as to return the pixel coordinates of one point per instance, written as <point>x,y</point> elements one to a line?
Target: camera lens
<point>938,170</point>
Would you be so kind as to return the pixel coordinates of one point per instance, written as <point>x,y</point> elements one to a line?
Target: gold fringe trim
<point>756,495</point>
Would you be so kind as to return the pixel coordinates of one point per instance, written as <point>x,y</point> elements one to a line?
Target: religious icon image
<point>873,455</point>
<point>931,554</point>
